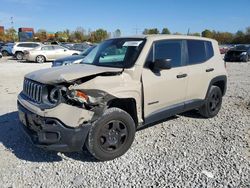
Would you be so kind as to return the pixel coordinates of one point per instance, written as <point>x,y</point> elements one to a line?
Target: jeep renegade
<point>120,86</point>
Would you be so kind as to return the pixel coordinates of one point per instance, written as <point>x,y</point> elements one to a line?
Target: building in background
<point>25,34</point>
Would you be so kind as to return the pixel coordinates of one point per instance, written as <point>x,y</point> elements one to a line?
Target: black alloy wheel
<point>212,103</point>
<point>113,135</point>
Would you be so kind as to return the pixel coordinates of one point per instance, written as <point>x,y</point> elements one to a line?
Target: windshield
<point>119,53</point>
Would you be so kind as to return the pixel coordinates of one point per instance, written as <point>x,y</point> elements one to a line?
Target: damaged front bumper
<point>63,128</point>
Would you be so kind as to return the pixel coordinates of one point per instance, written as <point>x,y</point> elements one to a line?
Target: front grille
<point>33,90</point>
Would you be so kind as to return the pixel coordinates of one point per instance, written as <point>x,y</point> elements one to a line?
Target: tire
<point>246,59</point>
<point>74,54</point>
<point>40,59</point>
<point>5,53</point>
<point>19,55</point>
<point>111,135</point>
<point>213,103</point>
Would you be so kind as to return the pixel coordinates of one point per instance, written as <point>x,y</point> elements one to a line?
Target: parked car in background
<point>1,44</point>
<point>20,47</point>
<point>72,59</point>
<point>80,46</point>
<point>224,48</point>
<point>238,53</point>
<point>6,49</point>
<point>48,53</point>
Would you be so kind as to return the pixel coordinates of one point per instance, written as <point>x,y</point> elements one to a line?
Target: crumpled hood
<point>68,73</point>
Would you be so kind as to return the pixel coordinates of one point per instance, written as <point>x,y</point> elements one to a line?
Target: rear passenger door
<point>167,88</point>
<point>200,68</point>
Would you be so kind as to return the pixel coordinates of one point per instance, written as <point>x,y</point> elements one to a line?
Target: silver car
<point>48,53</point>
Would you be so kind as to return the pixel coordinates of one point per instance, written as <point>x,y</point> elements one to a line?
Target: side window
<point>209,49</point>
<point>58,48</point>
<point>34,45</point>
<point>47,48</point>
<point>196,51</point>
<point>22,45</point>
<point>29,45</point>
<point>168,49</point>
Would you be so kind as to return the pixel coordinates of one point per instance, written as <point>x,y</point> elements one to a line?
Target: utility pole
<point>11,21</point>
<point>136,30</point>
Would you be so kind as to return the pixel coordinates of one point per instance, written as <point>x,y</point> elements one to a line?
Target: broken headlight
<point>55,94</point>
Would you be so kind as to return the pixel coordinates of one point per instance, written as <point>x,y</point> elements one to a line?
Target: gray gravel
<point>185,151</point>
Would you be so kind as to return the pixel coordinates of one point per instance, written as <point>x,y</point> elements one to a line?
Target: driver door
<point>165,89</point>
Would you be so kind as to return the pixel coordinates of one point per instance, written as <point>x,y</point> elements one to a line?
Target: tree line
<point>96,36</point>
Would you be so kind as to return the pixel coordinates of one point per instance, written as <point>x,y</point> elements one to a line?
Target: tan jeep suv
<point>122,85</point>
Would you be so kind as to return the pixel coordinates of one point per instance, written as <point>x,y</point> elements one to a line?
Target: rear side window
<point>199,51</point>
<point>209,49</point>
<point>58,48</point>
<point>28,45</point>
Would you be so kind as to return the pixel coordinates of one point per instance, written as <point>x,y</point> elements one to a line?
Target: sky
<point>128,15</point>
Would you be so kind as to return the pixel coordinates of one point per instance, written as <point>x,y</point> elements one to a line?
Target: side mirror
<point>160,64</point>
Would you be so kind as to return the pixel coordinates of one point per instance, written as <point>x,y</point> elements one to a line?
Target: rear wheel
<point>213,103</point>
<point>40,59</point>
<point>5,53</point>
<point>246,58</point>
<point>19,55</point>
<point>111,135</point>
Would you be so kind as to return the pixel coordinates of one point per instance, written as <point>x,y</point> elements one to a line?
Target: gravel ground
<point>185,151</point>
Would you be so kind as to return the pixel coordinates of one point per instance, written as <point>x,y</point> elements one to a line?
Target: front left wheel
<point>111,135</point>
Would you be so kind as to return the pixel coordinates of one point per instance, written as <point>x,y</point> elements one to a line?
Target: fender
<point>215,81</point>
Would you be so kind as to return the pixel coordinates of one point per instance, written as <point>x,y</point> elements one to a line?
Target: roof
<point>164,36</point>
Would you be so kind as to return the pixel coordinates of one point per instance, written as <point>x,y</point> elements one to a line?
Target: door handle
<point>210,70</point>
<point>181,76</point>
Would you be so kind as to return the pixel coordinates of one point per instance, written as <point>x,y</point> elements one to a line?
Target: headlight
<point>243,53</point>
<point>55,95</point>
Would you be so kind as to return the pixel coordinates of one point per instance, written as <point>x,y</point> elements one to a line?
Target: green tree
<point>248,31</point>
<point>41,35</point>
<point>165,31</point>
<point>61,36</point>
<point>11,34</point>
<point>151,31</point>
<point>195,34</point>
<point>207,33</point>
<point>98,35</point>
